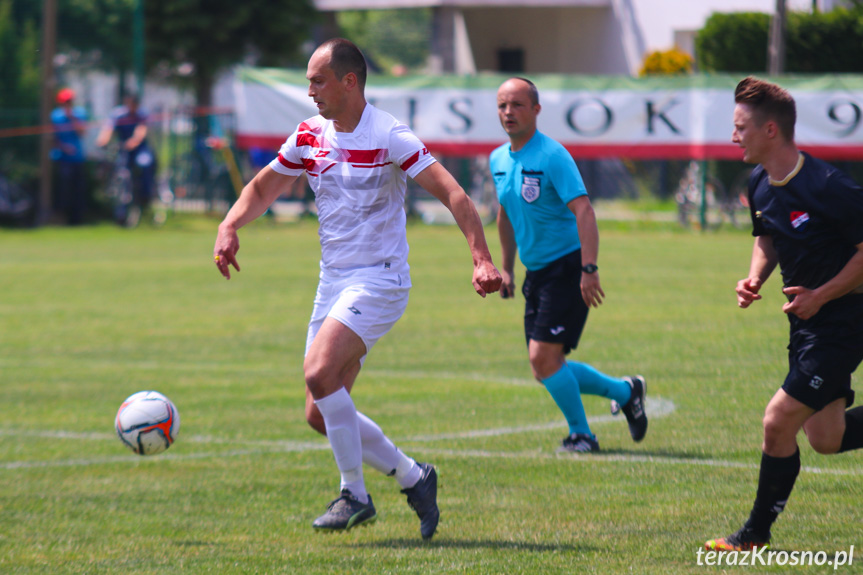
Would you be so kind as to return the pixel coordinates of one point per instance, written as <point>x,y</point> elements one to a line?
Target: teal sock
<point>563,387</point>
<point>593,382</point>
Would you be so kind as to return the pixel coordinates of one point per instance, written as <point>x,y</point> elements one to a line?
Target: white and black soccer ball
<point>147,422</point>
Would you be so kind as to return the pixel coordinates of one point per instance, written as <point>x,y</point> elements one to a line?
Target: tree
<point>391,39</point>
<point>19,58</point>
<point>19,95</point>
<point>90,33</point>
<point>733,42</point>
<point>821,42</point>
<point>211,35</point>
<point>101,29</point>
<point>830,42</point>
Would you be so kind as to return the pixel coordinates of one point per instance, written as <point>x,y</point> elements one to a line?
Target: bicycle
<point>16,206</point>
<point>207,177</point>
<point>124,194</point>
<point>120,192</point>
<point>706,203</point>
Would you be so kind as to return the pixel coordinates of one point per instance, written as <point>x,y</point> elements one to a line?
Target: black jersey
<point>815,220</point>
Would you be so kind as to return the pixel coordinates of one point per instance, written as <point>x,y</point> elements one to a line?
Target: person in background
<point>129,123</point>
<point>70,124</point>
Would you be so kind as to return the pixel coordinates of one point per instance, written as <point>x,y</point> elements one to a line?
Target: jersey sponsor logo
<point>325,159</point>
<point>530,188</point>
<point>799,219</point>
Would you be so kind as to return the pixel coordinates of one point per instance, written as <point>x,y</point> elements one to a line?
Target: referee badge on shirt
<point>529,188</point>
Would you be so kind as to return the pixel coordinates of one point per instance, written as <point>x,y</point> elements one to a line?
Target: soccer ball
<point>147,422</point>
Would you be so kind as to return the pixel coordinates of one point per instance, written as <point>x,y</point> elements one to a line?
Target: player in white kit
<point>357,160</point>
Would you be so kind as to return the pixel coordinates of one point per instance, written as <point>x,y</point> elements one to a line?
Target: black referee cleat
<point>345,512</point>
<point>634,408</point>
<point>422,498</point>
<point>579,443</point>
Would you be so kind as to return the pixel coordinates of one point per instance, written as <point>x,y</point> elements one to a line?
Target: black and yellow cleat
<point>744,540</point>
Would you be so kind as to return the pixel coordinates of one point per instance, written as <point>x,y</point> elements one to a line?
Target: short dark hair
<point>345,58</point>
<point>532,92</point>
<point>768,102</point>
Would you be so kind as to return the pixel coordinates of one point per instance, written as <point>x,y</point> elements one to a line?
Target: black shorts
<point>822,355</point>
<point>554,310</point>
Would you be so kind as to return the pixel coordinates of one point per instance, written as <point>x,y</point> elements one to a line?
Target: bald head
<point>519,83</point>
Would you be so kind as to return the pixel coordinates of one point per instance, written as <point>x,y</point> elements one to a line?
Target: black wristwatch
<point>590,268</point>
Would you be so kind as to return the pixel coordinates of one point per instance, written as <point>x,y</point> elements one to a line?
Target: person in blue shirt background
<point>546,217</point>
<point>129,123</point>
<point>70,124</point>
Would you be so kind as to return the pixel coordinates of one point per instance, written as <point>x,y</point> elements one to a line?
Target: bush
<point>734,42</point>
<point>822,42</point>
<point>666,63</point>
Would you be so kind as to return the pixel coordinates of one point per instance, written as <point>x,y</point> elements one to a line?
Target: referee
<point>546,216</point>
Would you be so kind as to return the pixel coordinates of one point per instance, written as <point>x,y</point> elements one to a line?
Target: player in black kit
<point>807,218</point>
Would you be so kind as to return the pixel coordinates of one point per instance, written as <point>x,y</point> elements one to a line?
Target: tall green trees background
<point>817,43</point>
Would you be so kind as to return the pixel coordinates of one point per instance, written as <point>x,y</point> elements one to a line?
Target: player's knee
<point>316,377</point>
<point>775,428</point>
<point>544,365</point>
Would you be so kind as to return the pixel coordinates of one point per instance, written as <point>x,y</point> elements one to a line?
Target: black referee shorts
<point>554,310</point>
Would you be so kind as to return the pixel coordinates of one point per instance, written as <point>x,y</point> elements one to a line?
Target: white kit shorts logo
<point>530,189</point>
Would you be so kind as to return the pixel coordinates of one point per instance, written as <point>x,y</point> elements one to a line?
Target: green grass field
<point>89,316</point>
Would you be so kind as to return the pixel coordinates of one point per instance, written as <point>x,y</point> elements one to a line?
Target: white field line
<point>657,407</point>
<point>622,457</point>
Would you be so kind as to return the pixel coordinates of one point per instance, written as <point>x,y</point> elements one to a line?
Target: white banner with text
<point>594,117</point>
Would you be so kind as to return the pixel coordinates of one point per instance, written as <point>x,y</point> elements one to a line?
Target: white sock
<point>340,417</point>
<point>382,454</point>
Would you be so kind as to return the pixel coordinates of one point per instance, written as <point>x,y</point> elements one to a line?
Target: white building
<point>562,36</point>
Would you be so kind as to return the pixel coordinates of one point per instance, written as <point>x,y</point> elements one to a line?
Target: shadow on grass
<point>658,454</point>
<point>497,545</point>
<point>193,543</point>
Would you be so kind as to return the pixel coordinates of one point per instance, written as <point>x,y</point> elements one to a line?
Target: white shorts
<point>368,301</point>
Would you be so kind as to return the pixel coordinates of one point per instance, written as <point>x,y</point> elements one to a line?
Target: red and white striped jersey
<point>359,179</point>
